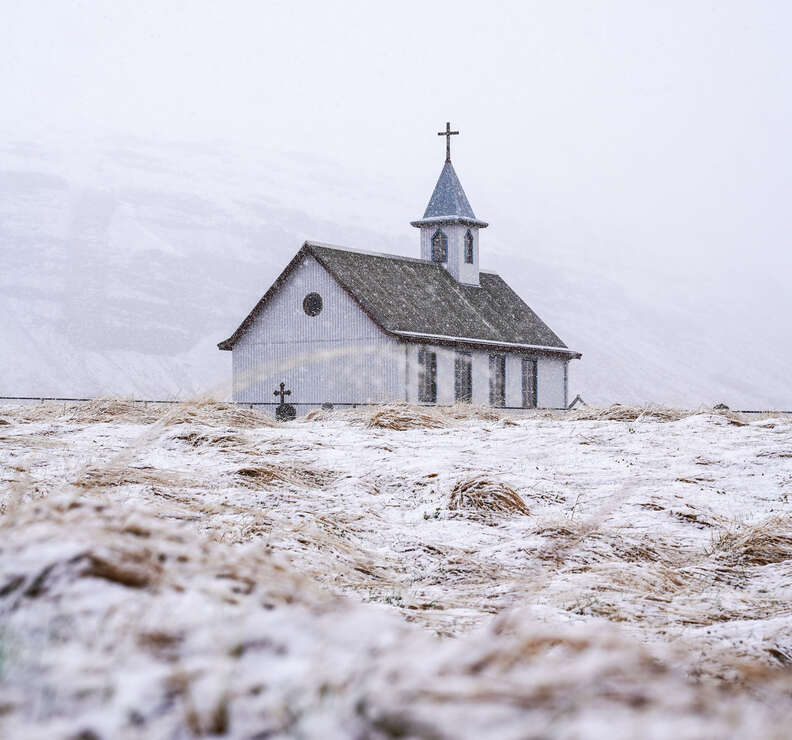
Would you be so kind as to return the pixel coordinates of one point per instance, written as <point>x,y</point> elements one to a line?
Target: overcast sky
<point>643,137</point>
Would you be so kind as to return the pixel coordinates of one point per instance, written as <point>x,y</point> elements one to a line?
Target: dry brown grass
<point>137,548</point>
<point>402,416</point>
<point>110,557</point>
<point>481,494</point>
<point>218,414</point>
<point>132,567</point>
<point>463,411</point>
<point>203,438</point>
<point>320,414</point>
<point>123,411</point>
<point>618,412</point>
<point>101,410</point>
<point>764,543</point>
<point>119,474</point>
<point>655,412</point>
<point>584,544</point>
<point>298,475</point>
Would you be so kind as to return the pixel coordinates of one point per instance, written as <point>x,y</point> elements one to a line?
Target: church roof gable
<point>419,300</point>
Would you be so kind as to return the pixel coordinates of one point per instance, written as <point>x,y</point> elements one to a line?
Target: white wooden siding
<point>339,356</point>
<point>456,264</point>
<point>551,389</point>
<point>514,380</point>
<point>551,383</point>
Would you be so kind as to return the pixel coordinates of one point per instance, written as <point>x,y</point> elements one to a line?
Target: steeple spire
<point>448,201</point>
<point>449,228</point>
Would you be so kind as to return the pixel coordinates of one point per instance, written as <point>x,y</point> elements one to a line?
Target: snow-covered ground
<point>199,569</point>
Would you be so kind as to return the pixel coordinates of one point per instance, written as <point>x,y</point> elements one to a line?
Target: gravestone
<point>284,411</point>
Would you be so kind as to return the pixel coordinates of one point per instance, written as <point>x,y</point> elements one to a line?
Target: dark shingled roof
<point>420,300</point>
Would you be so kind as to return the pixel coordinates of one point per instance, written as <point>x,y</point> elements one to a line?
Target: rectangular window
<point>497,380</point>
<point>528,383</point>
<point>427,376</point>
<point>463,377</point>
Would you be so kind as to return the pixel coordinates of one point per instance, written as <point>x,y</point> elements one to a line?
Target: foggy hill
<point>122,264</point>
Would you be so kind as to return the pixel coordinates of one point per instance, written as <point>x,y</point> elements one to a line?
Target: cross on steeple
<point>282,393</point>
<point>448,133</point>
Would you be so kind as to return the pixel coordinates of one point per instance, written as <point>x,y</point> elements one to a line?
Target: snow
<point>199,569</point>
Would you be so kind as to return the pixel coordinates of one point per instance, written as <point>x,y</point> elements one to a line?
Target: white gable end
<point>338,355</point>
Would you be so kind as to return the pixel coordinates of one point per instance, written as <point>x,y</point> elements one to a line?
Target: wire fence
<point>248,404</point>
<point>41,399</point>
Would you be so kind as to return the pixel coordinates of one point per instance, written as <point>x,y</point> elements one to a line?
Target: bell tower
<point>449,228</point>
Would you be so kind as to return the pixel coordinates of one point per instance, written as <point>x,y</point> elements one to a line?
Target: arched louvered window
<point>439,247</point>
<point>469,248</point>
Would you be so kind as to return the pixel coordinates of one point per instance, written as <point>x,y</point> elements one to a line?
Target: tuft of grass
<point>124,411</point>
<point>133,568</point>
<point>466,411</point>
<point>650,412</point>
<point>120,474</point>
<point>216,413</point>
<point>222,439</point>
<point>618,412</point>
<point>403,416</point>
<point>481,494</point>
<point>764,543</point>
<point>264,475</point>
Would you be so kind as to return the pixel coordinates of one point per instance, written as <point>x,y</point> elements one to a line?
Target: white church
<point>345,327</point>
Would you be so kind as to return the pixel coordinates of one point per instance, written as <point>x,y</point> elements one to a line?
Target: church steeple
<point>448,199</point>
<point>449,228</point>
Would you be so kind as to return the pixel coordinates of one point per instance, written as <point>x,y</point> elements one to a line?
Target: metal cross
<point>282,393</point>
<point>448,133</point>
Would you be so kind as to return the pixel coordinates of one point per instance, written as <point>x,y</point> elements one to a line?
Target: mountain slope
<point>122,263</point>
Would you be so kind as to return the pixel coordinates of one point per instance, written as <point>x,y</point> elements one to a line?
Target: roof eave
<point>489,343</point>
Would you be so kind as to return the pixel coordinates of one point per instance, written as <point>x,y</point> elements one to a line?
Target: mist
<point>633,162</point>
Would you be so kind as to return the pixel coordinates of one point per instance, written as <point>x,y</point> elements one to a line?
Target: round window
<point>312,304</point>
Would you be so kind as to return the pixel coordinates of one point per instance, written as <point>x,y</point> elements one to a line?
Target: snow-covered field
<point>198,569</point>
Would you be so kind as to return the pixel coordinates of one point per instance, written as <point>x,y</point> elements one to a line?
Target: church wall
<point>551,377</point>
<point>551,382</point>
<point>339,356</point>
<point>462,272</point>
<point>514,380</point>
<point>480,378</point>
<point>426,251</point>
<point>465,273</point>
<point>445,375</point>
